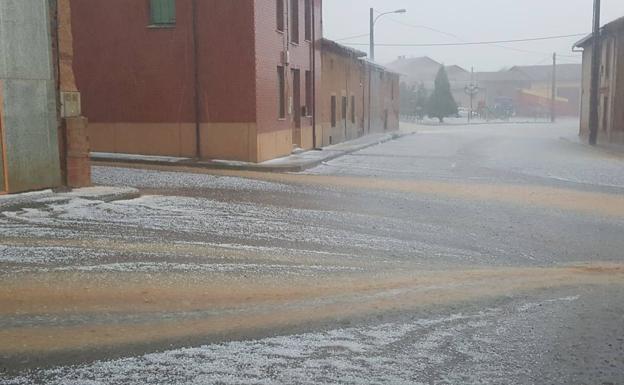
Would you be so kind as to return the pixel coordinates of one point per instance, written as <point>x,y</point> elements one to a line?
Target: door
<point>296,76</point>
<point>3,187</point>
<point>343,116</point>
<point>605,113</point>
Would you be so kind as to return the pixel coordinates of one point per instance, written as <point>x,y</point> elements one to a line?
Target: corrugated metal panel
<point>29,121</point>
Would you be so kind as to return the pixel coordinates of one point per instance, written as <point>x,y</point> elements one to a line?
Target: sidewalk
<point>474,122</point>
<point>292,163</point>
<point>41,198</point>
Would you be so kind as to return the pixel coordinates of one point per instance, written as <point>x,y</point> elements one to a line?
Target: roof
<point>501,76</point>
<point>330,45</point>
<point>456,69</point>
<point>542,94</point>
<point>340,49</point>
<point>367,62</point>
<point>616,25</point>
<point>542,73</point>
<point>424,69</point>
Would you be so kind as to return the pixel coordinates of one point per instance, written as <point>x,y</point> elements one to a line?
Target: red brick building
<point>213,79</point>
<point>357,97</point>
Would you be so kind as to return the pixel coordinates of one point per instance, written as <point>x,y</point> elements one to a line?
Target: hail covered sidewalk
<point>295,162</point>
<point>46,197</point>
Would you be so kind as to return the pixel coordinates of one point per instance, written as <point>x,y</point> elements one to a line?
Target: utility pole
<point>595,77</point>
<point>553,97</point>
<point>372,34</point>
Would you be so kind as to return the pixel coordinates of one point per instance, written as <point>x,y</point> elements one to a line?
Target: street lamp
<point>373,21</point>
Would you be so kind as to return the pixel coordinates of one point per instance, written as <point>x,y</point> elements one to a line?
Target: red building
<point>212,79</point>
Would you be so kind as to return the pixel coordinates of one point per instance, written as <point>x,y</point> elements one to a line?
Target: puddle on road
<point>244,306</point>
<point>593,203</point>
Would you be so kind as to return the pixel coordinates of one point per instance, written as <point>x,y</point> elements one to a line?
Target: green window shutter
<point>162,12</point>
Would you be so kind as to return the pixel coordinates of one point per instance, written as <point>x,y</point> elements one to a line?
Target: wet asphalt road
<point>237,227</point>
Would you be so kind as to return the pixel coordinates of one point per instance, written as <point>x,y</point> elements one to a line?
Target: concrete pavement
<point>461,255</point>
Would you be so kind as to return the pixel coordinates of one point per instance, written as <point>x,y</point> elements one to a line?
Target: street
<point>484,254</point>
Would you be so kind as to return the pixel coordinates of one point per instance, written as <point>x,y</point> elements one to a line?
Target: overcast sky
<point>469,20</point>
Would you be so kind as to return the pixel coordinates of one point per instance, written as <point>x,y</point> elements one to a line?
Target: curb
<point>452,124</point>
<point>600,148</point>
<point>296,166</point>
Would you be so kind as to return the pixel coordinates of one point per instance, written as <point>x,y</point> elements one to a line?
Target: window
<point>344,108</point>
<point>280,15</point>
<point>308,20</point>
<point>353,109</point>
<point>281,90</point>
<point>385,120</point>
<point>162,12</point>
<point>608,60</point>
<point>333,111</point>
<point>294,21</point>
<point>605,113</point>
<point>308,93</point>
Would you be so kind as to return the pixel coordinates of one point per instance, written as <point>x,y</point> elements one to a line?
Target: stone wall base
<point>77,149</point>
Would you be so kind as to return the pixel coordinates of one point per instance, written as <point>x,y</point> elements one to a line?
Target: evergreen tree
<point>441,103</point>
<point>421,101</point>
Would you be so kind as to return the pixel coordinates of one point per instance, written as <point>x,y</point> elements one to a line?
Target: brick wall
<point>270,44</point>
<point>344,74</point>
<point>78,172</point>
<point>136,80</point>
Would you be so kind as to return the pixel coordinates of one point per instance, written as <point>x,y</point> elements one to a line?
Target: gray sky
<point>469,20</point>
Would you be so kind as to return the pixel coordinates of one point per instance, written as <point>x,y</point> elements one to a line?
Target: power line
<point>472,42</point>
<point>419,26</point>
<point>353,37</point>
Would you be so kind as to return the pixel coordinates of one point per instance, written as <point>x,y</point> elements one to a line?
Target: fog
<point>460,21</point>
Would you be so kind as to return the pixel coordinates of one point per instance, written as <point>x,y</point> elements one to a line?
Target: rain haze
<point>453,21</point>
<point>198,192</point>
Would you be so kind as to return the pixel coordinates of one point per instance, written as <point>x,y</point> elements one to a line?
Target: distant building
<point>423,70</point>
<point>499,85</point>
<point>568,84</point>
<point>611,99</point>
<point>528,88</point>
<point>42,136</point>
<point>357,97</point>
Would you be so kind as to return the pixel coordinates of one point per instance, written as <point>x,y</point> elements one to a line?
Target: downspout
<point>197,87</point>
<point>56,60</point>
<point>370,95</point>
<point>346,113</point>
<point>314,144</point>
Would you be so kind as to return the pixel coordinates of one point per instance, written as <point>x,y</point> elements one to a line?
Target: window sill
<point>161,26</point>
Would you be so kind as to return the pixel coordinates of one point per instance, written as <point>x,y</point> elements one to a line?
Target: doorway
<point>296,131</point>
<point>605,113</point>
<point>3,186</point>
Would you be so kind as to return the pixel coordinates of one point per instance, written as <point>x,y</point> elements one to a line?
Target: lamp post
<point>373,21</point>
